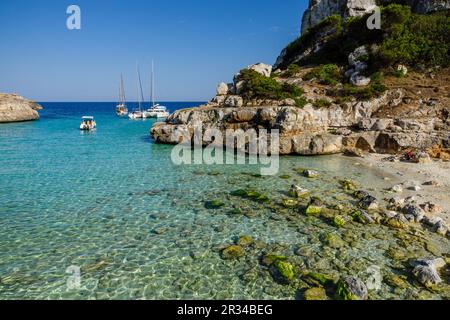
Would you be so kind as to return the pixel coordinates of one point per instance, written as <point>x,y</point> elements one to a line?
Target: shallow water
<point>113,204</point>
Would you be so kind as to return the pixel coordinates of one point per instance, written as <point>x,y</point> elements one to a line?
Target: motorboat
<point>88,123</point>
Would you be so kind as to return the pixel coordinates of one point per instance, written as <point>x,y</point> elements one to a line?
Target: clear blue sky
<point>195,45</point>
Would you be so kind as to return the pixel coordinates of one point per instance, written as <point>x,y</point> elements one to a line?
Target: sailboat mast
<point>153,85</point>
<point>122,90</point>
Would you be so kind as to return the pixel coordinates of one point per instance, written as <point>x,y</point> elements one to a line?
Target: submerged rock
<point>311,173</point>
<point>245,241</point>
<point>317,293</point>
<point>233,252</point>
<point>298,192</point>
<point>426,271</point>
<point>282,271</point>
<point>313,210</point>
<point>351,288</point>
<point>368,203</point>
<point>214,204</point>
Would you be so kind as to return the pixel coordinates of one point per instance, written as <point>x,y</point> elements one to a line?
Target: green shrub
<point>291,71</point>
<point>326,74</point>
<point>322,103</point>
<point>375,89</point>
<point>404,38</point>
<point>258,86</point>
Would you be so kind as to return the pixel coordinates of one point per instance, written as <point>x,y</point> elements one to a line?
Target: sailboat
<point>137,113</point>
<point>156,110</point>
<point>121,108</point>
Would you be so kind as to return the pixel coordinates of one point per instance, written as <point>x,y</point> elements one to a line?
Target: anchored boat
<point>121,108</point>
<point>88,123</point>
<point>137,113</point>
<point>156,111</point>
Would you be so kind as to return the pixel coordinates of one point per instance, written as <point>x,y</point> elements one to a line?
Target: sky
<point>195,45</point>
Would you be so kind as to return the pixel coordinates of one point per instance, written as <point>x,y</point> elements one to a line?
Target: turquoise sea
<point>112,204</point>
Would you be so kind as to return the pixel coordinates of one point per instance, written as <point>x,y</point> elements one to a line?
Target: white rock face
<point>262,68</point>
<point>222,89</point>
<point>359,81</point>
<point>321,9</point>
<point>14,108</point>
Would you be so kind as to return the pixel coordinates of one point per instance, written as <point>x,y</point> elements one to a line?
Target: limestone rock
<point>222,89</point>
<point>14,108</point>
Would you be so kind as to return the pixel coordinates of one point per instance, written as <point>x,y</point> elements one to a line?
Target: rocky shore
<point>14,108</point>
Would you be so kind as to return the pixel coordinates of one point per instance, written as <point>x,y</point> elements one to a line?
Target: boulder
<point>222,89</point>
<point>358,80</point>
<point>351,288</point>
<point>14,108</point>
<point>426,271</point>
<point>234,102</point>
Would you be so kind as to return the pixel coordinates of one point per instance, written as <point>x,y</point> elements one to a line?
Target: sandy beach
<point>410,174</point>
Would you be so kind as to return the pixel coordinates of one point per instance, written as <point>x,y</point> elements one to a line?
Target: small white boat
<point>121,108</point>
<point>88,123</point>
<point>135,115</point>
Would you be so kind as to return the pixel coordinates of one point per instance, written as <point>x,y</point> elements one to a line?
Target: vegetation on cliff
<point>404,38</point>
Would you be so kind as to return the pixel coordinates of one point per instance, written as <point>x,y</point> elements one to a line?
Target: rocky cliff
<point>343,106</point>
<point>403,117</point>
<point>14,108</point>
<point>321,9</point>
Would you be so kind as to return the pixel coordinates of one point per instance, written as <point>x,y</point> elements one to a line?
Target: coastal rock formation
<point>332,107</point>
<point>320,9</point>
<point>14,108</point>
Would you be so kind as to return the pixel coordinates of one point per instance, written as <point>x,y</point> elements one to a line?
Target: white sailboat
<point>121,108</point>
<point>137,113</point>
<point>156,110</point>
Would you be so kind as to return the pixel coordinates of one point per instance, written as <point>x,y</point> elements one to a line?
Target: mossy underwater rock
<point>339,221</point>
<point>250,194</point>
<point>348,185</point>
<point>319,279</point>
<point>289,203</point>
<point>214,204</point>
<point>245,241</point>
<point>396,281</point>
<point>282,271</point>
<point>313,210</point>
<point>268,259</point>
<point>297,192</point>
<point>351,288</point>
<point>333,240</point>
<point>317,293</point>
<point>233,252</point>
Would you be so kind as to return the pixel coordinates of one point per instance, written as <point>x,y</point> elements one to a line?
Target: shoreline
<point>408,174</point>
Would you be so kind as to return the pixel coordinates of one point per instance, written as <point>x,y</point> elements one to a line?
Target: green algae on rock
<point>250,194</point>
<point>348,185</point>
<point>283,271</point>
<point>214,204</point>
<point>351,288</point>
<point>245,241</point>
<point>339,221</point>
<point>316,293</point>
<point>233,252</point>
<point>313,210</point>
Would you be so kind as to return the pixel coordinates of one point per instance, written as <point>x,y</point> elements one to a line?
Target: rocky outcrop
<point>14,108</point>
<point>321,9</point>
